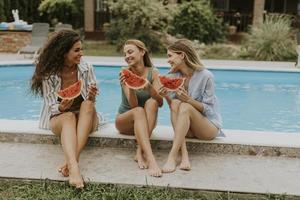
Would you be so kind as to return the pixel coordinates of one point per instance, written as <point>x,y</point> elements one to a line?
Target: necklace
<point>73,71</point>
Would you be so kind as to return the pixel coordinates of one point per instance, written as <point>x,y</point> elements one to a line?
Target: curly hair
<point>52,58</point>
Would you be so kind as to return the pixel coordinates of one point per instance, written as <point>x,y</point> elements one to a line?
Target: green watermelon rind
<point>171,78</point>
<point>141,86</point>
<point>61,95</point>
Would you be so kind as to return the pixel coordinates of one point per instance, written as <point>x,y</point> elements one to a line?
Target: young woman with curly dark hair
<point>58,66</point>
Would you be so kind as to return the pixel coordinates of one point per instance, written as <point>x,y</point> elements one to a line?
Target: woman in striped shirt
<point>58,66</point>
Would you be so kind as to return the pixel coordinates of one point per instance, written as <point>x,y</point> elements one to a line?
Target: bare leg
<point>188,118</point>
<point>135,120</point>
<point>185,162</point>
<point>65,126</point>
<point>83,130</point>
<point>151,108</point>
<point>86,118</point>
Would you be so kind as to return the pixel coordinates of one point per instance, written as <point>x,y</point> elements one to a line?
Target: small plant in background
<point>138,19</point>
<point>273,40</point>
<point>195,20</point>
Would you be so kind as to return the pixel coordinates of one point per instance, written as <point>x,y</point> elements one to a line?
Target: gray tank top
<point>141,95</point>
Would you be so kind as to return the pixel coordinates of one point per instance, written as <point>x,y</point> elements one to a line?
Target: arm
<point>92,89</point>
<point>163,92</point>
<point>153,88</point>
<point>208,96</point>
<point>207,100</point>
<point>168,99</point>
<point>91,75</point>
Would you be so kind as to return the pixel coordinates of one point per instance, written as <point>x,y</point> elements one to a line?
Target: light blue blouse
<point>202,88</point>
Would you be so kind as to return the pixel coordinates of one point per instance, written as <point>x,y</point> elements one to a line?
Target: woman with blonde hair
<point>138,110</point>
<point>194,107</point>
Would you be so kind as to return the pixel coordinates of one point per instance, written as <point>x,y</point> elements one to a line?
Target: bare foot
<point>185,164</point>
<point>64,170</point>
<point>139,158</point>
<point>154,169</point>
<point>75,177</point>
<point>140,161</point>
<point>185,161</point>
<point>169,166</point>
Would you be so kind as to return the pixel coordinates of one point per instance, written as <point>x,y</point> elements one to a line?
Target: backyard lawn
<point>44,190</point>
<point>215,51</point>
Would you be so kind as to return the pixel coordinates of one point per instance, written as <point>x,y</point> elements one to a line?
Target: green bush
<point>196,21</point>
<point>139,20</point>
<point>273,40</point>
<point>2,15</point>
<point>64,11</point>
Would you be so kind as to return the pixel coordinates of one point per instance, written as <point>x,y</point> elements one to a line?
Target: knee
<point>138,112</point>
<point>69,117</point>
<point>185,108</point>
<point>151,103</point>
<point>87,107</point>
<point>174,105</point>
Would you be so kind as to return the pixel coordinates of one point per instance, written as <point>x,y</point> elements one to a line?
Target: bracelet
<point>59,108</point>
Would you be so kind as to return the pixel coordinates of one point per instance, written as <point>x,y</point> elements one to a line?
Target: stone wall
<point>12,41</point>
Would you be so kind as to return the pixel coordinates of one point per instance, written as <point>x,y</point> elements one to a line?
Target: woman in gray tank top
<point>194,107</point>
<point>138,110</point>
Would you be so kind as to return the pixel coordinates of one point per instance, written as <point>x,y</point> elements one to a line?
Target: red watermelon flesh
<point>132,80</point>
<point>171,83</point>
<point>70,92</point>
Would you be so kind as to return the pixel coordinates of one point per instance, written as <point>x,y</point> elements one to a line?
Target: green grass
<point>14,189</point>
<point>96,48</point>
<point>215,51</point>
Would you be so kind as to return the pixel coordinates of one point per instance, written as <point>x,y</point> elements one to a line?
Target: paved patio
<point>246,162</point>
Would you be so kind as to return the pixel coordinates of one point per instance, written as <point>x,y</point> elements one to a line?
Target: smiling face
<point>175,60</point>
<point>133,55</point>
<point>74,54</point>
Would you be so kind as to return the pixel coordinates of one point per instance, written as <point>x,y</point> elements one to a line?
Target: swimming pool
<point>249,100</point>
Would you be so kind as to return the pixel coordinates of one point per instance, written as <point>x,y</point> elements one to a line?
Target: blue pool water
<point>249,100</point>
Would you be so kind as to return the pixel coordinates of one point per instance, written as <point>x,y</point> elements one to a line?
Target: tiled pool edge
<point>162,63</point>
<point>236,141</point>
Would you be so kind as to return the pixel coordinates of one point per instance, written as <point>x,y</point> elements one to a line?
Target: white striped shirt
<point>52,85</point>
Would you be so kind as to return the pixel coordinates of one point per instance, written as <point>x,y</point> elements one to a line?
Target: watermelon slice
<point>70,92</point>
<point>133,81</point>
<point>171,83</point>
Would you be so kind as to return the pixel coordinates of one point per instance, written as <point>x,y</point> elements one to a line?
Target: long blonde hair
<point>141,46</point>
<point>191,57</point>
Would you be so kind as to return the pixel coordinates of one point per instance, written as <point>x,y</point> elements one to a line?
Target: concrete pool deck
<point>243,161</point>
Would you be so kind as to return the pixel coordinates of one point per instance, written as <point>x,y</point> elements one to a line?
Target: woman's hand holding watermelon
<point>122,78</point>
<point>65,104</point>
<point>162,91</point>
<point>92,92</point>
<point>182,95</point>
